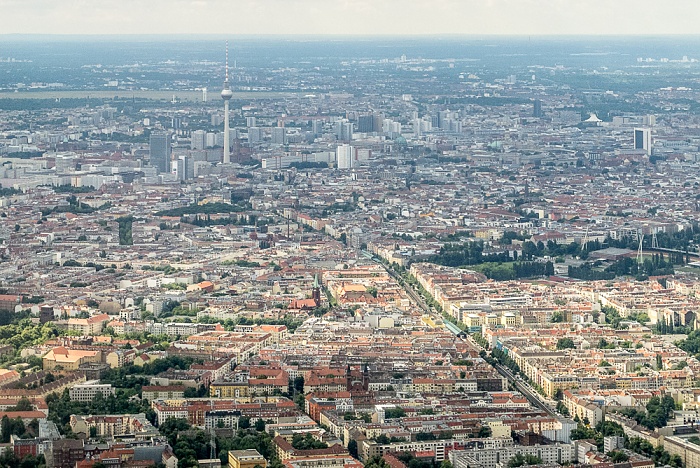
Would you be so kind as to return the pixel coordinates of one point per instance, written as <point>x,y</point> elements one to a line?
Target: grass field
<point>192,96</point>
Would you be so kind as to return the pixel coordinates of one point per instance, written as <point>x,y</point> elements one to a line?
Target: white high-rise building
<point>211,139</point>
<point>184,167</point>
<point>317,127</point>
<point>345,157</point>
<point>642,139</point>
<point>226,95</point>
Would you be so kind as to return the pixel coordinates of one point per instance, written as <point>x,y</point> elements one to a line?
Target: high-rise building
<point>226,95</point>
<point>255,135</point>
<point>365,124</point>
<point>537,108</point>
<point>345,157</point>
<point>184,167</point>
<point>443,119</point>
<point>199,140</point>
<point>343,130</point>
<point>160,151</point>
<point>378,119</point>
<point>279,136</point>
<point>211,140</point>
<point>317,127</point>
<point>250,121</point>
<point>417,127</point>
<point>642,139</point>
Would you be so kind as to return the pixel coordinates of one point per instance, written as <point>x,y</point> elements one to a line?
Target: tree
<point>260,425</point>
<point>565,343</point>
<point>23,405</point>
<point>307,442</point>
<point>299,383</point>
<point>9,427</point>
<point>374,462</point>
<point>523,460</point>
<point>172,427</point>
<point>557,317</point>
<point>243,422</point>
<point>484,431</point>
<point>352,448</point>
<point>617,457</point>
<point>393,413</point>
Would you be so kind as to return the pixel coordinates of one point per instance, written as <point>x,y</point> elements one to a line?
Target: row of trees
<point>8,459</point>
<point>207,220</point>
<point>515,270</point>
<point>16,426</point>
<point>61,407</point>
<point>553,249</point>
<point>659,456</point>
<point>657,412</point>
<point>467,253</point>
<point>206,208</point>
<point>587,273</point>
<point>499,356</point>
<point>655,265</point>
<point>691,344</point>
<point>125,230</point>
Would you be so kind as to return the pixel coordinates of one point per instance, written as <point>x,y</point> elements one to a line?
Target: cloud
<point>530,17</point>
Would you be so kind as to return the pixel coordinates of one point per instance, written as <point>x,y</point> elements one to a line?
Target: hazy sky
<point>365,17</point>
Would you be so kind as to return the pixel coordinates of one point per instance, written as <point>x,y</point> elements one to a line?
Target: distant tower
<point>537,108</point>
<point>226,95</point>
<point>365,377</point>
<point>642,139</point>
<point>204,94</point>
<point>160,151</point>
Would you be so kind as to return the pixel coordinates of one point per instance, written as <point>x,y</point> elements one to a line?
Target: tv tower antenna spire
<point>226,95</point>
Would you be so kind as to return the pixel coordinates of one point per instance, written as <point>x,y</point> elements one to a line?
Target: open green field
<point>192,96</point>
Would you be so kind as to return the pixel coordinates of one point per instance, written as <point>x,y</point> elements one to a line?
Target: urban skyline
<point>396,252</point>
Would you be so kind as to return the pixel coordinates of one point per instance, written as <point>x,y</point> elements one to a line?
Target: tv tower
<point>226,95</point>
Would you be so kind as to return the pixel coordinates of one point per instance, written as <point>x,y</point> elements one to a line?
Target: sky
<point>352,17</point>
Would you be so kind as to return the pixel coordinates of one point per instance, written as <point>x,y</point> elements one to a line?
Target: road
<point>411,292</point>
<point>527,391</point>
<point>532,396</point>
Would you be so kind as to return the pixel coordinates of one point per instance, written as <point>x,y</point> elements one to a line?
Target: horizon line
<point>538,35</point>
